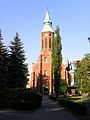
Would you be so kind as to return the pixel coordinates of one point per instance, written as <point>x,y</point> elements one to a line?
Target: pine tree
<point>57,59</point>
<point>17,67</point>
<point>3,64</point>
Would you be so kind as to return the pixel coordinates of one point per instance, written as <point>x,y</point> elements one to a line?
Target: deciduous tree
<point>82,74</point>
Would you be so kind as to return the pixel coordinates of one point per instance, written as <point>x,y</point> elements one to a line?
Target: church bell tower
<point>47,35</point>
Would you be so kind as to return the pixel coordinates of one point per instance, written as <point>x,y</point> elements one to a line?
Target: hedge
<point>20,99</point>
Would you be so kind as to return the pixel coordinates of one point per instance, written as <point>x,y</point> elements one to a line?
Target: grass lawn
<point>85,101</point>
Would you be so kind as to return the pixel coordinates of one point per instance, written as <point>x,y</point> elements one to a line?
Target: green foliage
<point>3,64</point>
<point>20,99</point>
<point>82,74</point>
<point>3,99</point>
<point>24,99</point>
<point>57,59</point>
<point>13,78</point>
<point>63,86</point>
<point>17,68</point>
<point>57,48</point>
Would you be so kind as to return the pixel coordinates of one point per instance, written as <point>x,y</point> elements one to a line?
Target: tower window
<point>45,43</point>
<point>42,43</point>
<point>49,34</point>
<point>45,59</point>
<point>49,43</point>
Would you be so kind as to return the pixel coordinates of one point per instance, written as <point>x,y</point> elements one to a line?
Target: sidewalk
<point>49,111</point>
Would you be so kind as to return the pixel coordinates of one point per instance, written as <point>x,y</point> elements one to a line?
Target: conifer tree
<point>57,59</point>
<point>53,62</point>
<point>17,67</point>
<point>3,64</point>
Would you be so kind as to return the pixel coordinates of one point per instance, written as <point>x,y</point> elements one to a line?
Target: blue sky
<point>26,17</point>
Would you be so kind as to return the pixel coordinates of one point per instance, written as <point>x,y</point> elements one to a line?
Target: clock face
<point>46,34</point>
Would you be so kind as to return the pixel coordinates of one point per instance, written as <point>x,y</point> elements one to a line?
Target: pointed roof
<point>47,17</point>
<point>47,23</point>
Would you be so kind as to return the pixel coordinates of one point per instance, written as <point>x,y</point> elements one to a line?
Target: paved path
<point>48,111</point>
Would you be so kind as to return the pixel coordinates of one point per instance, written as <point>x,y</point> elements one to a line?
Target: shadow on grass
<point>79,108</point>
<point>85,102</point>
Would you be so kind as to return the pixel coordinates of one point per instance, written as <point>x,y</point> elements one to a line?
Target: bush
<point>23,99</point>
<point>63,87</point>
<point>79,108</point>
<point>3,99</point>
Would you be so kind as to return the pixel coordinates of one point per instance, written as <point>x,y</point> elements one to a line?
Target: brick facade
<point>41,75</point>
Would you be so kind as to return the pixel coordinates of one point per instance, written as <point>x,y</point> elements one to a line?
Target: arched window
<point>45,72</point>
<point>42,43</point>
<point>45,43</point>
<point>45,59</point>
<point>49,43</point>
<point>33,79</point>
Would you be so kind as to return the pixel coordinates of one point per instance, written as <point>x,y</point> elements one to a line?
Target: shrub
<point>23,99</point>
<point>3,99</point>
<point>63,87</point>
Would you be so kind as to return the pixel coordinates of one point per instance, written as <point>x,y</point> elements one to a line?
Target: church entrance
<point>45,90</point>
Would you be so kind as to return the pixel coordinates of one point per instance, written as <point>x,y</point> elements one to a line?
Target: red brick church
<point>41,75</point>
